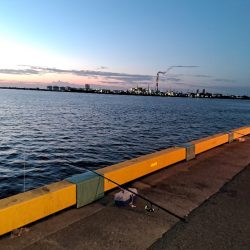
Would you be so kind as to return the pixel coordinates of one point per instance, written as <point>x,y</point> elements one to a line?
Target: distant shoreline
<point>127,92</point>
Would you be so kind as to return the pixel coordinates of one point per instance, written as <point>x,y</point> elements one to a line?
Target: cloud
<point>205,76</point>
<point>102,68</point>
<point>131,78</point>
<point>111,83</point>
<point>19,71</point>
<point>35,70</point>
<point>108,76</point>
<point>224,80</point>
<point>173,79</point>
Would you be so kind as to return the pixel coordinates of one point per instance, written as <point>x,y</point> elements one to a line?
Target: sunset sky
<point>122,44</point>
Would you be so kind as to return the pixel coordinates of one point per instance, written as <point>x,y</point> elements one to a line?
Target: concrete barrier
<point>132,169</point>
<point>240,132</point>
<point>210,142</point>
<point>22,209</point>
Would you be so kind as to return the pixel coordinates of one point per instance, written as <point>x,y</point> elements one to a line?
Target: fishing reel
<point>149,208</point>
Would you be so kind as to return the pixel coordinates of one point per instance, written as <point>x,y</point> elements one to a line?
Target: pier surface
<point>212,192</point>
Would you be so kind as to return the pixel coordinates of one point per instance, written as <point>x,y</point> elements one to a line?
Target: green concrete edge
<point>190,151</point>
<point>89,187</point>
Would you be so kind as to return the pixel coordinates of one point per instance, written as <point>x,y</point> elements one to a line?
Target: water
<point>43,129</point>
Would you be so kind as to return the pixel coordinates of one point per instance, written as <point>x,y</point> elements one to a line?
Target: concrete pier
<point>182,188</point>
<point>222,222</point>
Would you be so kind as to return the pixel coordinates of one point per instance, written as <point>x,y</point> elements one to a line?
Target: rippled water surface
<point>40,131</point>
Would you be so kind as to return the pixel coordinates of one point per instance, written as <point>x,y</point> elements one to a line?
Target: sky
<point>123,44</point>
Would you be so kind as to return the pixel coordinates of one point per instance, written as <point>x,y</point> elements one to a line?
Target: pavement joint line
<point>180,225</point>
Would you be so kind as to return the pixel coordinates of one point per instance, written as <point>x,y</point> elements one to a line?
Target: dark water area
<point>40,131</point>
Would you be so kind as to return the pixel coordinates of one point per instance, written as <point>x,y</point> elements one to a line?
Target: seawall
<point>19,210</point>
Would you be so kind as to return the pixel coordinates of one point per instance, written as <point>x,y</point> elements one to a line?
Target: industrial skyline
<point>122,44</point>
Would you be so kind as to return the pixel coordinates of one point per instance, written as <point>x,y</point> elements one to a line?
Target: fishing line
<point>118,185</point>
<point>151,203</point>
<point>24,172</point>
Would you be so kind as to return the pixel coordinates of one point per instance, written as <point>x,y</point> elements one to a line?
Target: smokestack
<point>167,70</point>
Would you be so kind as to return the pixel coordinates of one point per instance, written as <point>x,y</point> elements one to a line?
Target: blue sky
<point>123,44</point>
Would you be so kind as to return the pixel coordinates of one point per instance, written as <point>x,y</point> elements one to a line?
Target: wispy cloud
<point>35,70</point>
<point>173,79</point>
<point>102,68</point>
<point>19,71</point>
<point>111,83</point>
<point>132,78</point>
<point>202,76</point>
<point>224,80</point>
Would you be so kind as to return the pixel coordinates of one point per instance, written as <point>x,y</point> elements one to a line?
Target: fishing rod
<point>150,209</point>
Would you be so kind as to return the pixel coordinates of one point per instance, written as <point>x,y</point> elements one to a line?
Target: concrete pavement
<point>222,222</point>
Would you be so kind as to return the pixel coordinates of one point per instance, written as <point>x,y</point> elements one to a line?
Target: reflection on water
<point>93,131</point>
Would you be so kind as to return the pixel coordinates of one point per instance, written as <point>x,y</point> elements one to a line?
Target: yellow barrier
<point>22,209</point>
<point>240,132</point>
<point>132,169</point>
<point>207,143</point>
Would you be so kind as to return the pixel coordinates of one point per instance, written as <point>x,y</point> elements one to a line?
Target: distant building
<point>170,93</point>
<point>62,88</point>
<point>217,95</point>
<point>118,91</point>
<point>87,87</point>
<point>49,88</point>
<point>105,91</point>
<point>55,88</point>
<point>138,90</point>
